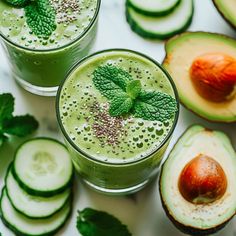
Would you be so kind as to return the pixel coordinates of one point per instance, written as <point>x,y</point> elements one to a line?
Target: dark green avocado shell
<point>227,11</point>
<point>188,229</point>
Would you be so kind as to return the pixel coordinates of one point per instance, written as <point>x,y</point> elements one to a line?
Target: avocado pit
<point>202,180</point>
<point>214,76</point>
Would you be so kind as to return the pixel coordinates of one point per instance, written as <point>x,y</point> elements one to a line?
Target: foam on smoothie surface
<point>13,24</point>
<point>85,116</point>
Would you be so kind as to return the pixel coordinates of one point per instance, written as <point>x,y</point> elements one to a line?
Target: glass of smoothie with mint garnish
<point>44,38</point>
<point>117,110</point>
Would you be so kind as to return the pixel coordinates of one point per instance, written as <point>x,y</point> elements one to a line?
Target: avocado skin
<point>186,229</point>
<point>149,35</point>
<point>165,61</point>
<point>233,25</point>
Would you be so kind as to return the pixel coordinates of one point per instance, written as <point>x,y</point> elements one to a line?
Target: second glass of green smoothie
<point>117,110</point>
<point>39,63</point>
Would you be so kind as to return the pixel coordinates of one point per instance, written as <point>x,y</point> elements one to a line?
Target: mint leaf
<point>6,106</point>
<point>41,17</point>
<point>155,106</point>
<point>18,3</point>
<point>111,80</point>
<point>20,125</point>
<point>120,105</point>
<point>98,223</point>
<point>133,88</point>
<point>3,138</point>
<point>126,94</point>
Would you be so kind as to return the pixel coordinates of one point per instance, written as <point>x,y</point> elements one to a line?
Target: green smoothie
<point>39,63</point>
<point>113,154</point>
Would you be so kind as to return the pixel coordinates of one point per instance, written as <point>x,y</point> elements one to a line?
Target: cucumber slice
<point>32,206</point>
<point>43,167</point>
<point>161,27</point>
<point>24,226</point>
<point>154,7</point>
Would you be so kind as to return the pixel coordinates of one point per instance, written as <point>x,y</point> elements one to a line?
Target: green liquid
<point>137,139</point>
<point>44,62</point>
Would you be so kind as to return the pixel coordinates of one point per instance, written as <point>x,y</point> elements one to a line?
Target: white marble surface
<point>142,212</point>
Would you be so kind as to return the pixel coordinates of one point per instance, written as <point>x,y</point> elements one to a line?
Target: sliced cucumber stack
<point>37,196</point>
<point>39,160</point>
<point>154,7</point>
<point>160,27</point>
<point>22,225</point>
<point>33,206</point>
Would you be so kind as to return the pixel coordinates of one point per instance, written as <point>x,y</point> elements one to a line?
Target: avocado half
<point>227,9</point>
<point>181,51</point>
<point>198,219</point>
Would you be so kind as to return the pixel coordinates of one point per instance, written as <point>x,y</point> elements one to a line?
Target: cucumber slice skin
<point>152,13</point>
<point>38,218</point>
<point>19,233</point>
<point>150,35</point>
<point>36,192</point>
<point>27,215</point>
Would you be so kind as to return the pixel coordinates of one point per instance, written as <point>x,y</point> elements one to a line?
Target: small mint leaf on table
<point>18,3</point>
<point>111,80</point>
<point>155,106</point>
<point>133,88</point>
<point>6,106</point>
<point>91,222</point>
<point>41,17</point>
<point>20,125</point>
<point>120,105</point>
<point>3,138</point>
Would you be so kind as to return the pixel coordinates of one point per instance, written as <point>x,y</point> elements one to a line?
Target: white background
<point>142,212</point>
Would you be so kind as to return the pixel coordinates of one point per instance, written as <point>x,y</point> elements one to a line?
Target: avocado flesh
<point>181,51</point>
<point>227,9</point>
<point>192,218</point>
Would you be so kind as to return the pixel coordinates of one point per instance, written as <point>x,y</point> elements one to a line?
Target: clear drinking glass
<point>106,174</point>
<point>40,71</point>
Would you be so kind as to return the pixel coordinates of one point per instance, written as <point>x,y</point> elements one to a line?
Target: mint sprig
<point>13,125</point>
<point>41,17</point>
<point>127,95</point>
<point>6,106</point>
<point>91,222</point>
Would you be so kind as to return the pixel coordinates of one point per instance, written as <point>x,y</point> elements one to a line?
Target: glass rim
<point>90,157</point>
<point>64,46</point>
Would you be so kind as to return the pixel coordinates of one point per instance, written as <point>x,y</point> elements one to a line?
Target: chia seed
<point>67,10</point>
<point>106,128</point>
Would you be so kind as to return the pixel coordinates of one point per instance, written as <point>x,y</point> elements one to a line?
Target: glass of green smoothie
<point>44,38</point>
<point>117,110</point>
